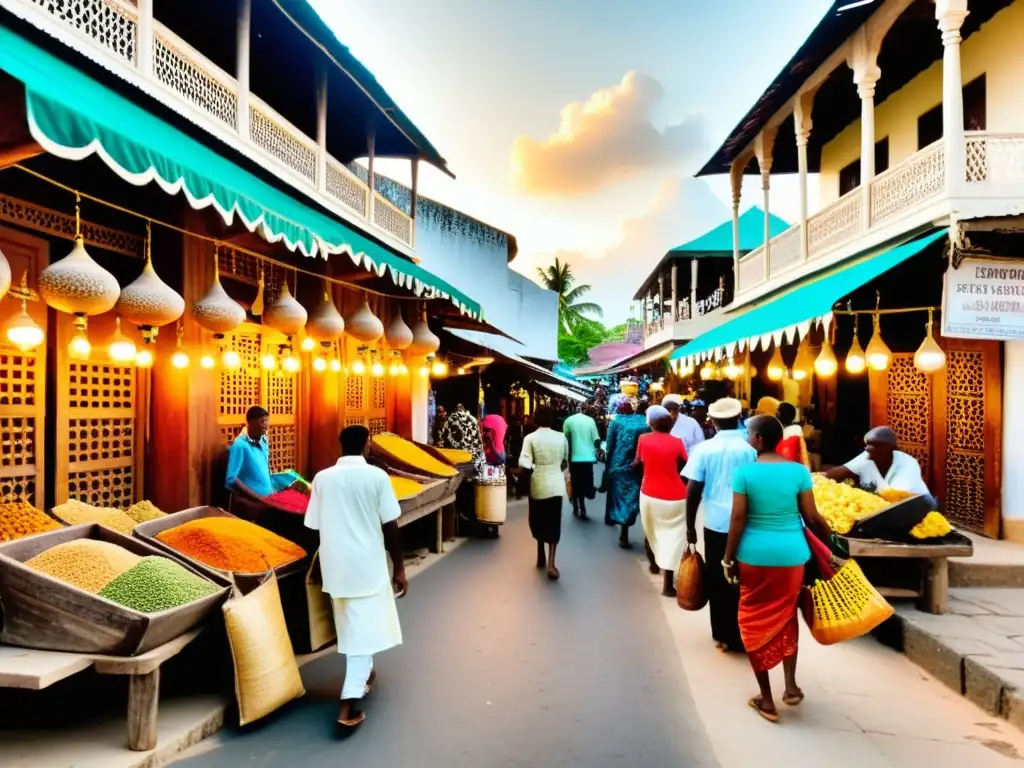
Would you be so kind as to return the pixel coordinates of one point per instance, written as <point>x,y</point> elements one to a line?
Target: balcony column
<point>321,128</point>
<point>646,301</point>
<point>413,195</point>
<point>675,293</point>
<point>661,300</point>
<point>764,145</point>
<point>693,288</point>
<point>242,46</point>
<point>739,165</point>
<point>144,37</point>
<point>803,125</point>
<point>864,63</point>
<point>950,15</point>
<point>371,177</point>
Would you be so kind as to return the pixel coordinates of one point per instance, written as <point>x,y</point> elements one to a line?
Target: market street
<point>502,668</point>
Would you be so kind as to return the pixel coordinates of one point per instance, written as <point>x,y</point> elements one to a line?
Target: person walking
<point>353,506</point>
<point>580,430</point>
<point>684,426</point>
<point>663,494</point>
<point>623,480</point>
<point>766,553</point>
<point>545,456</point>
<point>709,471</point>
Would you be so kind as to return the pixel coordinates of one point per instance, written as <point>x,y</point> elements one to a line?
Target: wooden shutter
<point>901,398</point>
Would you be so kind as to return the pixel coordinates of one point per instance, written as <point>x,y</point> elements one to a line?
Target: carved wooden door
<point>365,395</point>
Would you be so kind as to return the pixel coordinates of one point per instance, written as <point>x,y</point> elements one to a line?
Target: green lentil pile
<point>157,584</point>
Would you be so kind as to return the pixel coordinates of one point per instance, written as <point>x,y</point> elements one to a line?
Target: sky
<point>578,125</point>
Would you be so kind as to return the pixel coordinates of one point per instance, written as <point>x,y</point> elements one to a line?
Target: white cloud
<point>605,139</point>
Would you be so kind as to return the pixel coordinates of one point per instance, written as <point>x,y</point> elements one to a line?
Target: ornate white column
<point>661,300</point>
<point>736,181</point>
<point>242,65</point>
<point>675,292</point>
<point>763,147</point>
<point>144,37</point>
<point>802,122</point>
<point>950,15</point>
<point>864,63</point>
<point>321,128</point>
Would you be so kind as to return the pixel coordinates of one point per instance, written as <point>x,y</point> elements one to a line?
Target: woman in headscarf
<point>623,481</point>
<point>663,493</point>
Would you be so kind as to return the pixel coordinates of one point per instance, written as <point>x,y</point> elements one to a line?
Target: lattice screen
<point>965,439</point>
<point>910,409</point>
<point>365,397</point>
<point>21,417</point>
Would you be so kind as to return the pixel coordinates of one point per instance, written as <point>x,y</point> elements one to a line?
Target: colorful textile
<point>624,481</point>
<point>769,598</point>
<point>662,457</point>
<point>774,535</point>
<point>494,428</point>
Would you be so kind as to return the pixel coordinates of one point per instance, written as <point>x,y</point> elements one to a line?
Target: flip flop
<point>346,727</point>
<point>793,699</point>
<point>755,704</point>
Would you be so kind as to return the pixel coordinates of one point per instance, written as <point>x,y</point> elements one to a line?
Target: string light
<point>231,360</point>
<point>179,359</point>
<point>268,362</point>
<point>929,357</point>
<point>121,349</point>
<point>359,367</point>
<point>335,365</point>
<point>291,363</point>
<point>319,364</point>
<point>707,371</point>
<point>776,366</point>
<point>144,358</point>
<point>24,332</point>
<point>79,347</point>
<point>733,371</point>
<point>308,345</point>
<point>207,362</point>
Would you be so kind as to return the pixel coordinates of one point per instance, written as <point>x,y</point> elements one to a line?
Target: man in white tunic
<point>354,507</point>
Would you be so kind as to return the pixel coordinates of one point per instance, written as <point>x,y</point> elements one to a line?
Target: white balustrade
<point>920,177</point>
<point>205,90</point>
<point>751,270</point>
<point>785,250</point>
<point>835,225</point>
<point>995,158</point>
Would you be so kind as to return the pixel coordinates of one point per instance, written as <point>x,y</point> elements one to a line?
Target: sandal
<point>346,727</point>
<point>755,704</point>
<point>793,699</point>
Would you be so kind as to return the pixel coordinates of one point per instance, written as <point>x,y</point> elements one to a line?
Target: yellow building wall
<point>996,50</point>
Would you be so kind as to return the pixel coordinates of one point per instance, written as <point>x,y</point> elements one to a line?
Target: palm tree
<point>572,312</point>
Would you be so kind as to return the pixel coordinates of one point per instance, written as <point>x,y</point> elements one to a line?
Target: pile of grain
<point>75,512</point>
<point>85,563</point>
<point>144,511</point>
<point>157,584</point>
<point>18,519</point>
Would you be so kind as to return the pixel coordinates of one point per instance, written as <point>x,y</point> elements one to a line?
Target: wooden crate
<point>45,613</point>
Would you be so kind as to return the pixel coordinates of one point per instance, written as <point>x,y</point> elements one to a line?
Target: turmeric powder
<point>412,455</point>
<point>405,488</point>
<point>456,456</point>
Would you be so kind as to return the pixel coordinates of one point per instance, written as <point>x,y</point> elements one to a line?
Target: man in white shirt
<point>354,507</point>
<point>684,427</point>
<point>881,466</point>
<point>709,474</point>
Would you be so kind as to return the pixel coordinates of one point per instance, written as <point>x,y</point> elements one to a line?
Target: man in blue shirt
<point>248,472</point>
<point>709,475</point>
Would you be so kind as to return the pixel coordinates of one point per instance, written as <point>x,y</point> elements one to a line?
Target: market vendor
<point>881,466</point>
<point>248,473</point>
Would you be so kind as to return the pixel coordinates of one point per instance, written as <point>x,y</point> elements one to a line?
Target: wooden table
<point>933,590</point>
<point>432,508</point>
<point>35,670</point>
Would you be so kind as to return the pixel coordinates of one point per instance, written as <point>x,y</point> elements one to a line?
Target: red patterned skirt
<point>769,598</point>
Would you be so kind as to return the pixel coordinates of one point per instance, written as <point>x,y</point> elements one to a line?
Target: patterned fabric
<point>624,481</point>
<point>462,432</point>
<point>769,598</point>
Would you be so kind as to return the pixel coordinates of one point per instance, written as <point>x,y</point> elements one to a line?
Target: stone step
<point>971,573</point>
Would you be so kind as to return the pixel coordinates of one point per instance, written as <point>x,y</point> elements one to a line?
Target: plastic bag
<point>690,594</point>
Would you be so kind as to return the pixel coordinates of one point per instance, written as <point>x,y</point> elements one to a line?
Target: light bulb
<point>335,365</point>
<point>826,364</point>
<point>290,364</point>
<point>144,358</point>
<point>461,371</point>
<point>732,371</point>
<point>308,345</point>
<point>799,374</point>
<point>877,353</point>
<point>439,368</point>
<point>23,332</point>
<point>804,363</point>
<point>121,349</point>
<point>358,367</point>
<point>393,369</point>
<point>269,362</point>
<point>207,361</point>
<point>179,359</point>
<point>377,369</point>
<point>319,364</point>
<point>707,371</point>
<point>403,370</point>
<point>929,357</point>
<point>855,360</point>
<point>231,360</point>
<point>776,366</point>
<point>424,371</point>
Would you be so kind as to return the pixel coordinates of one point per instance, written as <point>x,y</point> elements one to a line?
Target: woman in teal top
<point>773,507</point>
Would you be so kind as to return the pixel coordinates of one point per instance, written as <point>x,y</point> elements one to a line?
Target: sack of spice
<point>266,672</point>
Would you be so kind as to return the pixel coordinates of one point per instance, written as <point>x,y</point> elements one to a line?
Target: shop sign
<point>984,299</point>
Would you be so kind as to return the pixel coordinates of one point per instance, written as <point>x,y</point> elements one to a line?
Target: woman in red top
<point>663,493</point>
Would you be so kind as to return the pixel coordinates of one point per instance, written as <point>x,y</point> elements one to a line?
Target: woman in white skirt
<point>663,493</point>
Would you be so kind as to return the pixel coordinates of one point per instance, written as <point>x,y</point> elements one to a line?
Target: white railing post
<point>803,125</point>
<point>321,129</point>
<point>144,37</point>
<point>950,15</point>
<point>764,144</point>
<point>242,47</point>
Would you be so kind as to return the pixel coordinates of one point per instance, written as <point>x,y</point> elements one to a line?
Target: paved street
<point>502,668</point>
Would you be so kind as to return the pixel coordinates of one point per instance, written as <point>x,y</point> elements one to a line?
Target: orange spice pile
<point>230,544</point>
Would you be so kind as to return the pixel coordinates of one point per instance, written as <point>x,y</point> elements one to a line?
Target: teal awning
<point>73,117</point>
<point>813,299</point>
<point>718,242</point>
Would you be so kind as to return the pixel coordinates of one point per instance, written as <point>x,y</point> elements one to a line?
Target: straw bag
<point>840,605</point>
<point>319,608</point>
<point>690,595</point>
<point>266,673</point>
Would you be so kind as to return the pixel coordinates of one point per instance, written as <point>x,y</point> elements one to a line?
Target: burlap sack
<point>266,673</point>
<point>318,606</point>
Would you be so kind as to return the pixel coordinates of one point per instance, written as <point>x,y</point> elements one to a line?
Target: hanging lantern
<point>776,366</point>
<point>149,302</point>
<point>207,362</point>
<point>359,366</point>
<point>707,371</point>
<point>319,364</point>
<point>856,362</point>
<point>364,326</point>
<point>826,365</point>
<point>290,363</point>
<point>325,321</point>
<point>733,371</point>
<point>804,363</point>
<point>335,365</point>
<point>929,357</point>
<point>376,367</point>
<point>79,347</point>
<point>217,311</point>
<point>877,353</point>
<point>5,275</point>
<point>268,362</point>
<point>285,314</point>
<point>256,310</point>
<point>76,284</point>
<point>424,342</point>
<point>21,330</point>
<point>439,368</point>
<point>308,344</point>
<point>179,359</point>
<point>121,349</point>
<point>398,335</point>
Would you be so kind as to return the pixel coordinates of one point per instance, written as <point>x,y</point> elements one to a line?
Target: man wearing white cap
<point>684,426</point>
<point>709,470</point>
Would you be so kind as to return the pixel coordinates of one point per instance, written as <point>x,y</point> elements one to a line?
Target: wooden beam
<point>16,153</point>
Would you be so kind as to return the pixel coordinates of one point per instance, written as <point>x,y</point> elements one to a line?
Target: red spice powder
<point>292,500</point>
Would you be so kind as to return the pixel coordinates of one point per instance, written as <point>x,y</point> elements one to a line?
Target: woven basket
<point>843,607</point>
<point>266,673</point>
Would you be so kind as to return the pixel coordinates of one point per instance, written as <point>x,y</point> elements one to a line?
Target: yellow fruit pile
<point>934,526</point>
<point>894,496</point>
<point>842,505</point>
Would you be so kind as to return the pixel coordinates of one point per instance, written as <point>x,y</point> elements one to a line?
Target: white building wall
<point>1013,446</point>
